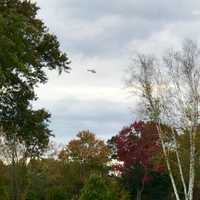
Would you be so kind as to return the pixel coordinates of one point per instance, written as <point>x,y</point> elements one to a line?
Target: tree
<point>184,151</point>
<point>46,180</point>
<point>17,151</point>
<point>4,193</point>
<point>170,92</point>
<point>96,188</point>
<point>82,157</point>
<point>27,51</point>
<point>139,148</point>
<point>86,150</point>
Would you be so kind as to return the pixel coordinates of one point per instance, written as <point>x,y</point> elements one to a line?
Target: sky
<point>104,35</point>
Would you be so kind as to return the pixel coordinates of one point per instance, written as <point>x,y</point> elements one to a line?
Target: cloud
<point>103,35</point>
<point>98,27</point>
<point>154,9</point>
<point>103,116</point>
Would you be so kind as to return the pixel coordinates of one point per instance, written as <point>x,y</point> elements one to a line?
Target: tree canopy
<point>27,51</point>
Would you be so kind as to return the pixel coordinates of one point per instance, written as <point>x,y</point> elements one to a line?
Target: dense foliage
<point>96,188</point>
<point>139,149</point>
<point>27,51</point>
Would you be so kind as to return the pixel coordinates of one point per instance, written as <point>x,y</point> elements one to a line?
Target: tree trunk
<point>180,165</point>
<point>13,178</point>
<point>168,163</point>
<point>14,189</point>
<point>192,166</point>
<point>139,194</point>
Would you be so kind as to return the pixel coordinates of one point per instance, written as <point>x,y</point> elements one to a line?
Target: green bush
<point>56,194</point>
<point>96,188</point>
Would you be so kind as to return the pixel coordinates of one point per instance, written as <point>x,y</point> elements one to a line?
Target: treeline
<point>129,166</point>
<point>88,168</point>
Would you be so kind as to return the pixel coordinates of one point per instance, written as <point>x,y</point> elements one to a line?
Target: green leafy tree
<point>31,143</point>
<point>96,188</point>
<point>45,180</point>
<point>82,157</point>
<point>27,51</point>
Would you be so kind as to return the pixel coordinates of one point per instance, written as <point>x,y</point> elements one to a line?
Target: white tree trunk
<point>192,166</point>
<point>180,165</point>
<point>168,163</point>
<point>139,194</point>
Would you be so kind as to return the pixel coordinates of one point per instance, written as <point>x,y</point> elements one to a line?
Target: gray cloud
<point>103,34</point>
<point>105,118</point>
<point>106,27</point>
<point>150,10</point>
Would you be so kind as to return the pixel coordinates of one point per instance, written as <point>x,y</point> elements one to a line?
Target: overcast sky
<point>103,35</point>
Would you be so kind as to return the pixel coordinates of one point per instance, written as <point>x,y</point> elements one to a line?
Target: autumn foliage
<point>138,144</point>
<point>138,148</point>
<point>86,148</point>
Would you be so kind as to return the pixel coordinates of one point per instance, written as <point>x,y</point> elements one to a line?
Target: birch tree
<point>169,90</point>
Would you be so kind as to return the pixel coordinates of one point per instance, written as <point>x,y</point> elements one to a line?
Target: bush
<point>96,188</point>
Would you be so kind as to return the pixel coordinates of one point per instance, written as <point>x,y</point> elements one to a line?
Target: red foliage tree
<point>137,146</point>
